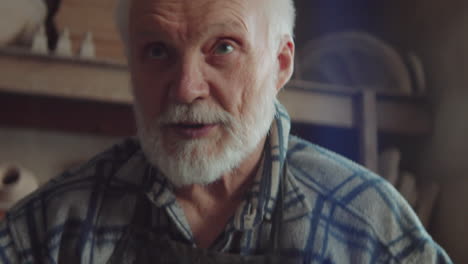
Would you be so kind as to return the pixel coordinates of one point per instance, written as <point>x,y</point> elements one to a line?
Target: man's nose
<point>189,83</point>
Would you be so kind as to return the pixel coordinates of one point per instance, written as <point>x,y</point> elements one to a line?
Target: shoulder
<point>326,169</point>
<point>73,185</point>
<point>357,204</point>
<point>80,199</point>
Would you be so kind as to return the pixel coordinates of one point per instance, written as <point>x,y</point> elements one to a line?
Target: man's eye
<point>223,49</point>
<point>157,51</point>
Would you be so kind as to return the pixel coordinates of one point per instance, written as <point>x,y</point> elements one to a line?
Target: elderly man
<point>215,177</point>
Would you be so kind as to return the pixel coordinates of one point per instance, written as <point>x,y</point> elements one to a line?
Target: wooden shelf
<point>104,82</point>
<point>73,78</point>
<point>336,106</point>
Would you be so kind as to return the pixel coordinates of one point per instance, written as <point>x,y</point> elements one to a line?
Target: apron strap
<point>141,218</point>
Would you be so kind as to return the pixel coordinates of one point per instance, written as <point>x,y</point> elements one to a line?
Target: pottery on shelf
<point>15,183</point>
<point>87,49</point>
<point>20,20</point>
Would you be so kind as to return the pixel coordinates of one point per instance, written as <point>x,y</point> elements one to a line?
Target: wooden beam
<point>318,108</point>
<point>67,115</point>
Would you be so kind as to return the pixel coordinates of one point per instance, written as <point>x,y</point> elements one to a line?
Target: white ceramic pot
<point>20,19</point>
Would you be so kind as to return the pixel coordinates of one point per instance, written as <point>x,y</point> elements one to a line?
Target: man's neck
<point>203,204</point>
<point>230,186</point>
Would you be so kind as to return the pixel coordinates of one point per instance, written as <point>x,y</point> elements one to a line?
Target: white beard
<point>203,161</point>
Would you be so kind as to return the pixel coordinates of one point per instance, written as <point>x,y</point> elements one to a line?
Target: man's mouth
<point>192,130</point>
<point>191,126</point>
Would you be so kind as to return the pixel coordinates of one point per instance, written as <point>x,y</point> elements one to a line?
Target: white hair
<point>194,161</point>
<point>282,19</point>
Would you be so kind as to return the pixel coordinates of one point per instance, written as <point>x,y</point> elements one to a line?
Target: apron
<point>139,245</point>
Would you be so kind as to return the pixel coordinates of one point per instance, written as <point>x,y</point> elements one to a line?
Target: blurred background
<point>382,82</point>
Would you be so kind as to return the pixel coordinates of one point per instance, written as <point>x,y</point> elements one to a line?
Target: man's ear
<point>285,61</point>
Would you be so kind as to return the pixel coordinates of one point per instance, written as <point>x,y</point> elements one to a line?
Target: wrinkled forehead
<point>190,6</point>
<point>195,14</point>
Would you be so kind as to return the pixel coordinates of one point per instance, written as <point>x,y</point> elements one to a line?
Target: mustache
<point>197,113</point>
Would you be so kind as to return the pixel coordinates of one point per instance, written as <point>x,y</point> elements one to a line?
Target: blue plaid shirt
<point>334,211</point>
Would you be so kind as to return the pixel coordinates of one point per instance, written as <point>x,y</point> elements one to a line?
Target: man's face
<point>204,83</point>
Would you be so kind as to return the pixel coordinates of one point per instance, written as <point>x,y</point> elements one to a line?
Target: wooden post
<point>366,117</point>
